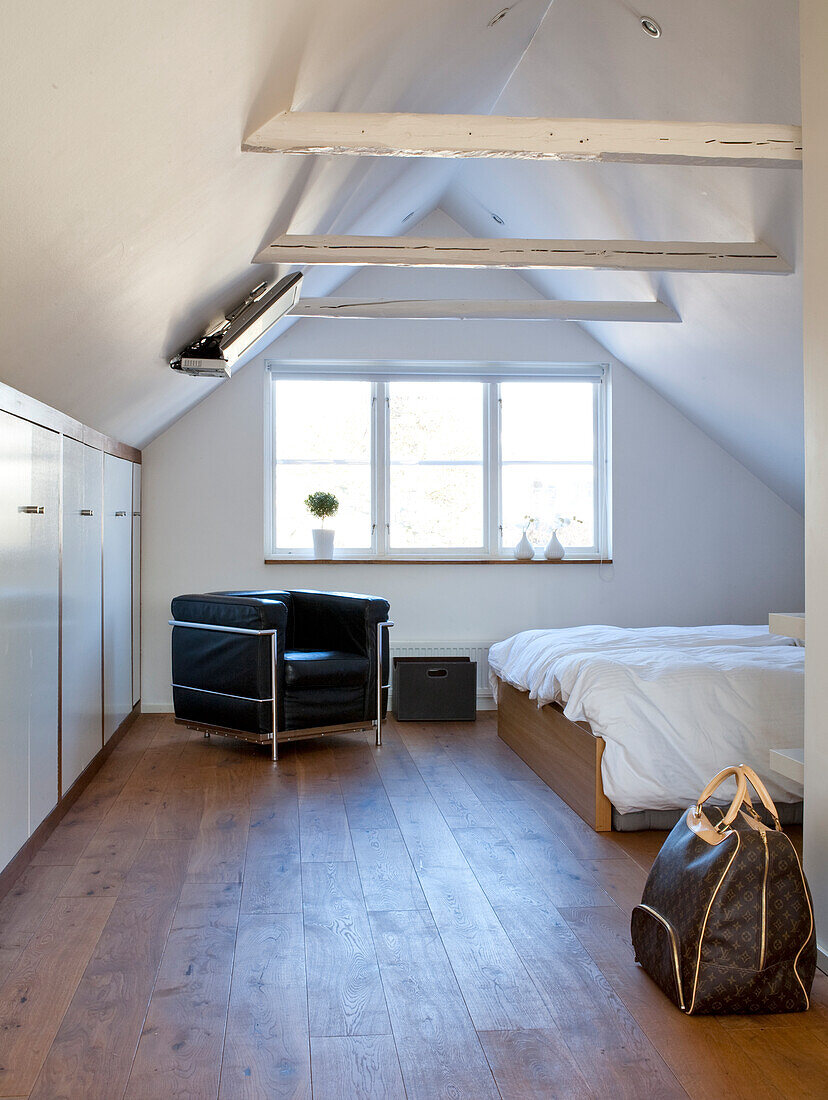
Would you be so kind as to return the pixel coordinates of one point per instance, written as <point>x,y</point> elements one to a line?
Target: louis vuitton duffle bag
<point>726,922</point>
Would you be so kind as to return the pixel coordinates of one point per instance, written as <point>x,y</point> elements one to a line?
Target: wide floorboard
<point>425,920</point>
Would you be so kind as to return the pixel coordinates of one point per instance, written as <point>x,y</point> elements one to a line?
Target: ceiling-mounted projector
<point>213,355</point>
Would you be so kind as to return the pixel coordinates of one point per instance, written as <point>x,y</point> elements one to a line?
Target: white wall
<point>814,30</point>
<point>696,537</point>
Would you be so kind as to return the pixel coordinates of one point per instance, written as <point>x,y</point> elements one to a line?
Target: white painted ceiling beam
<point>717,256</point>
<point>741,144</point>
<point>508,309</point>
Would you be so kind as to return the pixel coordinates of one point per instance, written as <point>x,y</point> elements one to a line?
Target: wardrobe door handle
<point>86,512</point>
<point>32,509</point>
<point>136,515</point>
<point>120,513</point>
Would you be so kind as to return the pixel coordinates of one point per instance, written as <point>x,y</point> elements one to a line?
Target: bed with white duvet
<point>673,704</point>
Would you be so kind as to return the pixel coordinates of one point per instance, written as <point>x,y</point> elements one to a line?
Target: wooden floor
<point>426,920</point>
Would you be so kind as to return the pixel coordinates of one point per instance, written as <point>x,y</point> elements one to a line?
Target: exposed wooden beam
<point>747,258</point>
<point>455,309</point>
<point>738,144</point>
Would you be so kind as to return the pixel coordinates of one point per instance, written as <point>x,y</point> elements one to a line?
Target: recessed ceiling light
<point>650,27</point>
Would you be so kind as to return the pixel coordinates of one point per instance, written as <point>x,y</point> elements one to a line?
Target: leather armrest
<point>246,612</point>
<point>228,664</point>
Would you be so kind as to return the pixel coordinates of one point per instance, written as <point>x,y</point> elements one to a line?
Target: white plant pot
<point>554,549</point>
<point>323,542</point>
<point>524,549</point>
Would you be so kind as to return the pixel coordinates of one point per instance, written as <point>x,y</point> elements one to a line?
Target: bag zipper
<point>673,947</point>
<point>764,903</point>
<point>733,855</point>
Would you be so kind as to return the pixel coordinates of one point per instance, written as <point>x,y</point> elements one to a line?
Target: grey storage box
<point>435,689</point>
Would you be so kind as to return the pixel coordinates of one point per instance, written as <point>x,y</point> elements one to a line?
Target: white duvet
<point>674,705</point>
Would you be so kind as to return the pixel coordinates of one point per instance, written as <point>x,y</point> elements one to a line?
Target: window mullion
<point>493,520</point>
<point>600,460</point>
<point>381,467</point>
<point>270,465</point>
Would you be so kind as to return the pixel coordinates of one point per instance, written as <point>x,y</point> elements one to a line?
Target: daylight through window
<point>444,468</point>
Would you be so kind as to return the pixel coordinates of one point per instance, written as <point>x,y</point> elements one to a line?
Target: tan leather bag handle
<point>760,788</point>
<point>736,804</point>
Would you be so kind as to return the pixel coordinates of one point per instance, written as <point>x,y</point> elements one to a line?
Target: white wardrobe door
<point>29,578</point>
<point>136,582</point>
<point>15,478</point>
<point>81,725</point>
<point>117,592</point>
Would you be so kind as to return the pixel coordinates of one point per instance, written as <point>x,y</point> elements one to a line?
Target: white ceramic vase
<point>323,542</point>
<point>524,549</point>
<point>554,549</point>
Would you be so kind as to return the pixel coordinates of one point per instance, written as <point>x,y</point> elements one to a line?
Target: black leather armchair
<point>276,666</point>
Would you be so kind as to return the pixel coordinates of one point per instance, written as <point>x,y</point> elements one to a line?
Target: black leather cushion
<point>344,621</point>
<point>323,707</point>
<point>223,710</point>
<point>323,668</point>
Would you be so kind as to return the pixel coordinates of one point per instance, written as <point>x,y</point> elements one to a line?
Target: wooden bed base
<point>566,755</point>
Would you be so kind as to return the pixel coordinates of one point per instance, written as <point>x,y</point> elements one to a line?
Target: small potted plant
<point>322,505</point>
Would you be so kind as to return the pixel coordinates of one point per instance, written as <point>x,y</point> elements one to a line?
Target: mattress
<point>528,660</point>
<point>674,705</point>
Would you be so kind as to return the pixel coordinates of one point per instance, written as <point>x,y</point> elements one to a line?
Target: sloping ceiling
<point>735,364</point>
<point>130,216</point>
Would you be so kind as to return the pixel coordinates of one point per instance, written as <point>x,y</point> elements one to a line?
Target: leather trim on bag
<point>673,947</point>
<point>707,914</point>
<point>702,827</point>
<point>810,930</point>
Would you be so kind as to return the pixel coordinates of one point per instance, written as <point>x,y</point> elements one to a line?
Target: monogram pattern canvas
<point>711,895</point>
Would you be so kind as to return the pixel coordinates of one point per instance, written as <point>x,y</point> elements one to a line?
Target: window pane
<point>545,491</point>
<point>322,440</point>
<point>436,464</point>
<point>546,421</point>
<point>547,444</point>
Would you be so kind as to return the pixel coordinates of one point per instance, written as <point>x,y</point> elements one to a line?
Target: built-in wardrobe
<point>69,616</point>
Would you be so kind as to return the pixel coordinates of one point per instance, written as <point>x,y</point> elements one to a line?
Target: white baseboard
<point>822,959</point>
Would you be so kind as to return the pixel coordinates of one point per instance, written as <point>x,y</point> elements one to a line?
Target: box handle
<point>436,672</point>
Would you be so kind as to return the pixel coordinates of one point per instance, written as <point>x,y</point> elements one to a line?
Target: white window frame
<point>380,374</point>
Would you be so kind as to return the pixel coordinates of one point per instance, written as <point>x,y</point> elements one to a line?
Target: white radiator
<point>475,651</point>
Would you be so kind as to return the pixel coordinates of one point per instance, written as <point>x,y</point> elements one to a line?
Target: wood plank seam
<point>506,934</point>
<point>459,987</point>
<point>371,934</point>
<point>573,1054</point>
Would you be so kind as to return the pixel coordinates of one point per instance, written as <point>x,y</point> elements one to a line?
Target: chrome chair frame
<point>274,737</point>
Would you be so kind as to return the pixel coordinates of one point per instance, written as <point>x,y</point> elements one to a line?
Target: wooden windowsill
<point>435,561</point>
